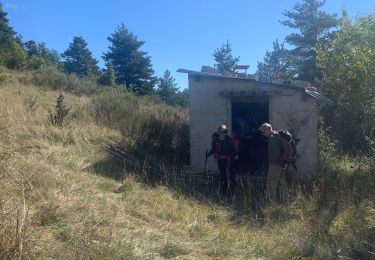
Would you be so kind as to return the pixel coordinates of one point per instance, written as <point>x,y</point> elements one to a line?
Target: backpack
<point>285,136</point>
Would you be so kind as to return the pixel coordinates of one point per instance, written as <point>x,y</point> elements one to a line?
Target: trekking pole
<point>205,163</point>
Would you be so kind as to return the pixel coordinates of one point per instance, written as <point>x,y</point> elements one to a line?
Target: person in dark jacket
<point>276,184</point>
<point>222,148</point>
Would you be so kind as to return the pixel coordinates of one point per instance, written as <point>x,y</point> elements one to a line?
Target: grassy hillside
<point>57,200</point>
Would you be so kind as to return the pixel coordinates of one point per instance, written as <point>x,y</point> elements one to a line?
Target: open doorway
<point>248,113</point>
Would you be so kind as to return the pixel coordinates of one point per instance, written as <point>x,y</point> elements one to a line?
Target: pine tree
<point>38,54</point>
<point>11,53</point>
<point>51,56</point>
<point>31,48</point>
<point>314,26</point>
<point>7,34</point>
<point>132,66</point>
<point>224,58</point>
<point>167,88</point>
<point>61,111</point>
<point>182,98</point>
<point>277,64</point>
<point>108,78</point>
<point>79,60</point>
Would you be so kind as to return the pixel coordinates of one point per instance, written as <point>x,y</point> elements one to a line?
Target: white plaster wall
<point>298,113</point>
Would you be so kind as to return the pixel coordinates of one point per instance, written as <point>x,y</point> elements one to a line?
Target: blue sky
<point>177,34</point>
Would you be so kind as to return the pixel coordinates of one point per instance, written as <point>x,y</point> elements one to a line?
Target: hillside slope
<point>57,201</point>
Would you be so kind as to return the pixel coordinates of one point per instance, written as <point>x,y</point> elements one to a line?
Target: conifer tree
<point>224,58</point>
<point>11,53</point>
<point>277,64</point>
<point>108,77</point>
<point>7,33</point>
<point>132,66</point>
<point>79,60</point>
<point>167,88</point>
<point>313,26</point>
<point>38,54</point>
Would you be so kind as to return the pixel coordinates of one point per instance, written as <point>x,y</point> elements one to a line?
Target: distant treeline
<point>126,65</point>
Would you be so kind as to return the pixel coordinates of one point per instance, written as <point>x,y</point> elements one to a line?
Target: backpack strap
<point>286,147</point>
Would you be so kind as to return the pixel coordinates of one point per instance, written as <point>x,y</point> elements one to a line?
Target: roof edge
<point>311,92</point>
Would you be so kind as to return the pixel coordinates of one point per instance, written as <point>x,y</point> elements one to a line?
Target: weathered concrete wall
<point>297,113</point>
<point>208,109</point>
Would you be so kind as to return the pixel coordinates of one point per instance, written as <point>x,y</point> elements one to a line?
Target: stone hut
<point>216,98</point>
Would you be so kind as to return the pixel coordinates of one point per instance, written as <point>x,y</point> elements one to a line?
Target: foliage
<point>11,53</point>
<point>132,66</point>
<point>108,76</point>
<point>224,58</point>
<point>14,56</point>
<point>147,127</point>
<point>38,55</point>
<point>348,68</point>
<point>78,59</point>
<point>277,64</point>
<point>182,98</point>
<point>51,77</point>
<point>167,89</point>
<point>61,111</point>
<point>314,26</point>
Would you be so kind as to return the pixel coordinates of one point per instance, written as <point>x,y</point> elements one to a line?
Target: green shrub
<point>51,77</point>
<point>61,111</point>
<point>35,63</point>
<point>148,127</point>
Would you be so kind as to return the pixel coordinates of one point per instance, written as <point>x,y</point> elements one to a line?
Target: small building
<point>216,98</point>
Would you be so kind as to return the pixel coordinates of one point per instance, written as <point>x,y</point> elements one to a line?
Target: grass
<point>61,198</point>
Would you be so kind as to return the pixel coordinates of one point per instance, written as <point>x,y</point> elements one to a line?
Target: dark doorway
<point>247,115</point>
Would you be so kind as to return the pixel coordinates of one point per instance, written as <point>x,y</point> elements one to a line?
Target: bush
<point>51,77</point>
<point>61,111</point>
<point>148,127</point>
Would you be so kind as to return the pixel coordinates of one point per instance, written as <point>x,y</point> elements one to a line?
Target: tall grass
<point>148,127</point>
<point>57,203</point>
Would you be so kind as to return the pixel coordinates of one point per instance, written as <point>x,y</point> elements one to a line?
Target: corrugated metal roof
<point>309,91</point>
<point>319,97</point>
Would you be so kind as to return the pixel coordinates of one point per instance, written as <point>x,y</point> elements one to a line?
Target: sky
<point>177,34</point>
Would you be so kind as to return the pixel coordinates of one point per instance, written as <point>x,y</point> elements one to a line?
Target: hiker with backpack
<point>280,155</point>
<point>224,152</point>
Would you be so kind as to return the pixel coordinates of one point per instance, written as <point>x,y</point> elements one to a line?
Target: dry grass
<point>55,205</point>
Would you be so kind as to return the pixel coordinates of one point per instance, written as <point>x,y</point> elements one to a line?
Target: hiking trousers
<point>276,184</point>
<point>226,171</point>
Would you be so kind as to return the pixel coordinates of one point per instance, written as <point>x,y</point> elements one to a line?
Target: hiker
<point>277,148</point>
<point>240,130</point>
<point>224,152</point>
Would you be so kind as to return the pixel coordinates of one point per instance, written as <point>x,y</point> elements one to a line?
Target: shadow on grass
<point>245,199</point>
<point>111,168</point>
